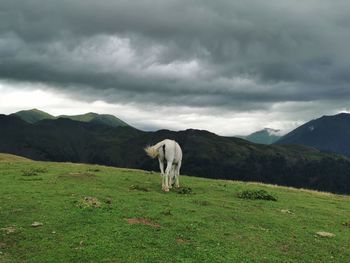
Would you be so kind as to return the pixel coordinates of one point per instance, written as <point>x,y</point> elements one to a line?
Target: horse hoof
<point>166,190</point>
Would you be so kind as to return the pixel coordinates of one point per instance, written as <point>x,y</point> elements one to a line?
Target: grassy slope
<point>105,119</point>
<point>34,115</point>
<point>211,225</point>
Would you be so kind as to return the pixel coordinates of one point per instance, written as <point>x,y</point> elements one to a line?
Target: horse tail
<point>152,151</point>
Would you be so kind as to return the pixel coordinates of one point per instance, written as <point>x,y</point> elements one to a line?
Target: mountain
<point>264,136</point>
<point>328,133</point>
<point>205,154</point>
<point>105,119</point>
<point>32,116</point>
<point>35,115</point>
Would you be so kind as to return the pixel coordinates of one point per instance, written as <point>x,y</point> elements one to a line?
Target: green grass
<point>90,214</point>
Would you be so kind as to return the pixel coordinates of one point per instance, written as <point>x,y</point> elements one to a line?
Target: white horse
<point>168,151</point>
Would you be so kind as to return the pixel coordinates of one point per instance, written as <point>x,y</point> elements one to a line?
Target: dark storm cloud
<point>231,54</point>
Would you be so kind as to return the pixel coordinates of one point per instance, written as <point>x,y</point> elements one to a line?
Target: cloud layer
<point>222,56</point>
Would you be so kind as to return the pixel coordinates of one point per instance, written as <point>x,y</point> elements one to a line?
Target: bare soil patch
<point>9,230</point>
<point>182,241</point>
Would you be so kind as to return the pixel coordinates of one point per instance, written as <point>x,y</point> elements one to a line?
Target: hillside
<point>328,133</point>
<point>4,157</point>
<point>264,136</point>
<point>205,154</point>
<point>91,117</point>
<point>35,115</point>
<point>89,213</point>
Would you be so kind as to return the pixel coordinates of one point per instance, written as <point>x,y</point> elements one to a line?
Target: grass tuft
<point>184,190</point>
<point>89,202</point>
<point>33,171</point>
<point>139,188</point>
<point>346,223</point>
<point>256,195</point>
<point>95,170</point>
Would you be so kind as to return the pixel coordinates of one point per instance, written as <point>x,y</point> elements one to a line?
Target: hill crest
<point>34,115</point>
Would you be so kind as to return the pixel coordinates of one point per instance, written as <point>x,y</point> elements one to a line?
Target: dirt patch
<point>284,248</point>
<point>9,230</point>
<point>3,245</point>
<point>142,221</point>
<point>182,241</point>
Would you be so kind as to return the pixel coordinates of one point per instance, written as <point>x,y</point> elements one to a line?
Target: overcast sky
<point>228,66</point>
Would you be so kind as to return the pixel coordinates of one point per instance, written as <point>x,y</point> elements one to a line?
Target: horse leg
<point>167,173</point>
<point>177,175</point>
<point>172,176</point>
<point>161,166</point>
<point>163,182</point>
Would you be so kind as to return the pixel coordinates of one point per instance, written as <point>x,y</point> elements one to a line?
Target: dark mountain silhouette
<point>328,133</point>
<point>205,154</point>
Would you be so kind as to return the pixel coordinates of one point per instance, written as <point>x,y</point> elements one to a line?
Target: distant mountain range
<point>205,154</point>
<point>264,136</point>
<point>35,115</point>
<point>328,134</point>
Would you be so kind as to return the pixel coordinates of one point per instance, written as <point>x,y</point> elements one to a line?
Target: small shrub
<point>167,212</point>
<point>89,202</point>
<point>256,195</point>
<point>29,172</point>
<point>346,223</point>
<point>40,170</point>
<point>93,170</point>
<point>108,200</point>
<point>138,188</point>
<point>184,190</point>
<point>33,171</point>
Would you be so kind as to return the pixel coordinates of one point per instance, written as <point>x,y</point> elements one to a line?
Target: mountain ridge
<point>35,115</point>
<point>329,133</point>
<point>205,154</point>
<point>264,136</point>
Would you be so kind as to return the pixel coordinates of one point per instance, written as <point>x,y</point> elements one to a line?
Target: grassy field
<point>101,214</point>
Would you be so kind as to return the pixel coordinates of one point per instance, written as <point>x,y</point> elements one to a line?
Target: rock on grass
<point>36,224</point>
<point>325,234</point>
